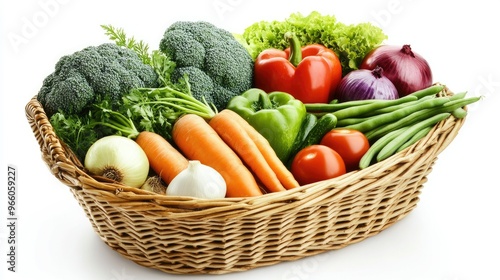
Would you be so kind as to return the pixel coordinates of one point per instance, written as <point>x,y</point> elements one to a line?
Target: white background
<point>451,235</point>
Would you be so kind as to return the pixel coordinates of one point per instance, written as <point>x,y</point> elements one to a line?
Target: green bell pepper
<point>278,116</point>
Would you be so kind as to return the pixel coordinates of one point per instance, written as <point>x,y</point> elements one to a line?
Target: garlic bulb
<point>154,184</point>
<point>118,158</point>
<point>198,180</point>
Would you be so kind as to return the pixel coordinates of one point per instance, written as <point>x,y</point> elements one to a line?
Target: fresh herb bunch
<point>80,131</point>
<point>156,109</point>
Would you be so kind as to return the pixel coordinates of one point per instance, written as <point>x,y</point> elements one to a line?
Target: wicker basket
<point>193,236</point>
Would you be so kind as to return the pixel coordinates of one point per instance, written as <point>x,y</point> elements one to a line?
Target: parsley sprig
<point>156,109</point>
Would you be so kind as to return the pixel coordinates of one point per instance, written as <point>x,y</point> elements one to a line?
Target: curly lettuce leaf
<point>350,42</point>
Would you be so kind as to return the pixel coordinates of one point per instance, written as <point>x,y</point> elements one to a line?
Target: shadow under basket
<point>195,236</point>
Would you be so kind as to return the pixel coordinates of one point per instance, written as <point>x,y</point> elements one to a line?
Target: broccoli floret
<point>201,84</point>
<point>93,73</point>
<point>226,66</point>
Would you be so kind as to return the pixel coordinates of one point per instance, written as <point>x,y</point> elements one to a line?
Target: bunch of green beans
<point>392,125</point>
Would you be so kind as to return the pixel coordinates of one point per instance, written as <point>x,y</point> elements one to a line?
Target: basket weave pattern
<point>193,236</point>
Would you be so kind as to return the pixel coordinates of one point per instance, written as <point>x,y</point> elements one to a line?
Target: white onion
<point>118,158</point>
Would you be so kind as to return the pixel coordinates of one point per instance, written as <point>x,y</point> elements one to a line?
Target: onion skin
<point>407,70</point>
<point>365,84</point>
<point>123,156</point>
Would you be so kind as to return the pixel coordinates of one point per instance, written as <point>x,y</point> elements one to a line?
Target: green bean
<point>418,116</point>
<point>431,90</point>
<point>417,136</point>
<point>335,105</point>
<point>459,95</point>
<point>362,109</point>
<point>395,143</point>
<point>368,115</point>
<point>378,145</point>
<point>350,121</point>
<point>408,120</point>
<point>354,108</point>
<point>382,119</point>
<point>455,104</point>
<point>455,107</point>
<point>397,107</point>
<point>323,108</point>
<point>459,113</point>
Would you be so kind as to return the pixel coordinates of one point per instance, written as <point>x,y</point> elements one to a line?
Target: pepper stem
<point>264,101</point>
<point>295,48</point>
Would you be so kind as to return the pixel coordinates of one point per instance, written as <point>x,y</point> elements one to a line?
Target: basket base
<point>223,249</point>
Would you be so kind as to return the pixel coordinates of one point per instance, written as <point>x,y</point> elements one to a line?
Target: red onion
<point>364,84</point>
<point>407,70</point>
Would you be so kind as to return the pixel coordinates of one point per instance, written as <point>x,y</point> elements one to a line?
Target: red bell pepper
<point>311,74</point>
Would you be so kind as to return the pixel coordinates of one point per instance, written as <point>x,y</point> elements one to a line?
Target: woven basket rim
<point>63,157</point>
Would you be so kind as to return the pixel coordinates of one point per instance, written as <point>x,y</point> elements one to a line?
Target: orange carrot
<point>238,139</point>
<point>284,175</point>
<point>198,141</point>
<point>163,158</point>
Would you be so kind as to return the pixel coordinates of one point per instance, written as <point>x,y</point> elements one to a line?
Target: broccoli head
<point>200,83</point>
<point>224,68</point>
<point>93,73</point>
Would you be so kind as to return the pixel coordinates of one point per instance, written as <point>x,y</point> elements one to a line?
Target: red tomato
<point>317,163</point>
<point>350,144</point>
